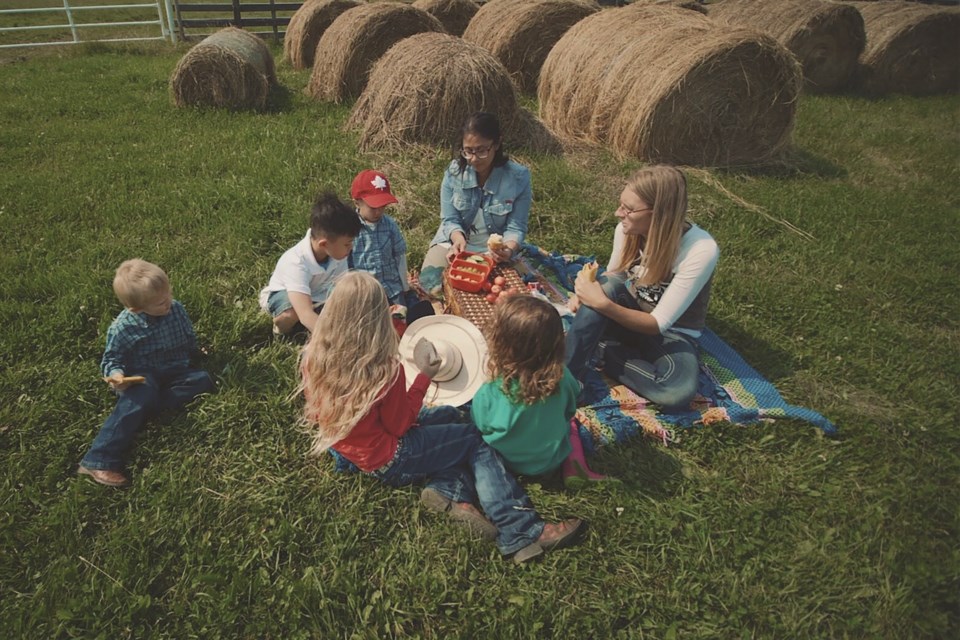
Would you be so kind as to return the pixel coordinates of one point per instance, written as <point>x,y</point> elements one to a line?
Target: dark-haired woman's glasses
<point>477,152</point>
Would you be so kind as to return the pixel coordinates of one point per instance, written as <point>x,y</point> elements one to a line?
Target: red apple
<point>496,288</point>
<point>491,297</point>
<point>500,280</point>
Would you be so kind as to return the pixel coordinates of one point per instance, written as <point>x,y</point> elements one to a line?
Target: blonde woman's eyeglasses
<point>628,211</point>
<point>479,153</point>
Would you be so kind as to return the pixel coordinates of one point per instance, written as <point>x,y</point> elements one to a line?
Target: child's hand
<point>426,358</point>
<point>117,382</point>
<point>573,303</point>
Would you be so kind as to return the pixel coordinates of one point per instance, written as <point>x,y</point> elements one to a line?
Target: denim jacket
<point>505,200</point>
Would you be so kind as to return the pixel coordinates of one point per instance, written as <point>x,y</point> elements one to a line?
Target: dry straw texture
<point>693,5</point>
<point>454,15</point>
<point>307,25</point>
<point>520,33</point>
<point>911,48</point>
<point>229,69</point>
<point>356,40</point>
<point>826,37</point>
<point>423,89</point>
<point>679,88</point>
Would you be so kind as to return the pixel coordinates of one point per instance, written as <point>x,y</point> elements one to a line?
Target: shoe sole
<point>83,471</point>
<point>477,525</point>
<point>528,553</point>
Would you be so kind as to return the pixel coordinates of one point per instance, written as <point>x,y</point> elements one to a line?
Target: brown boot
<point>555,536</point>
<point>105,476</point>
<point>463,512</point>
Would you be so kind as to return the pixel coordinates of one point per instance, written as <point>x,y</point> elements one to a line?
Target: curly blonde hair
<point>526,348</point>
<point>664,189</point>
<point>350,361</point>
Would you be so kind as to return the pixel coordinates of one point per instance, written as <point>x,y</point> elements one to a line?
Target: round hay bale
<point>423,89</point>
<point>911,48</point>
<point>356,40</point>
<point>693,5</point>
<point>307,25</point>
<point>699,94</point>
<point>454,15</point>
<point>520,33</point>
<point>571,75</point>
<point>230,69</point>
<point>826,37</point>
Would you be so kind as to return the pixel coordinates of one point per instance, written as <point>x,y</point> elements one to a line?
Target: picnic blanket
<point>729,389</point>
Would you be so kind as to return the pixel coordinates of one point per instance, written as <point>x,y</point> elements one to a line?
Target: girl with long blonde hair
<point>525,411</point>
<point>643,318</point>
<point>358,403</point>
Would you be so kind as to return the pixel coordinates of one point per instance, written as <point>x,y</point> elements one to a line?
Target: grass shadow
<point>793,163</point>
<point>767,358</point>
<point>279,100</point>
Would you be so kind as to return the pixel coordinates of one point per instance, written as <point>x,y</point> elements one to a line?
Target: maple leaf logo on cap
<point>379,183</point>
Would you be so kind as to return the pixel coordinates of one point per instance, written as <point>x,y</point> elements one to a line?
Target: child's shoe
<point>105,476</point>
<point>576,473</point>
<point>555,536</point>
<point>463,512</point>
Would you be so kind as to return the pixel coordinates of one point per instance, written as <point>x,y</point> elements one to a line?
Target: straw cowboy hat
<point>463,355</point>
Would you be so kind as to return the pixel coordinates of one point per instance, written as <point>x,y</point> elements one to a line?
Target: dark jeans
<point>453,459</point>
<point>161,391</point>
<point>661,368</point>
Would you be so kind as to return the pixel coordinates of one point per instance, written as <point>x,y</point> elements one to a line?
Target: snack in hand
<point>591,270</point>
<point>495,242</point>
<point>128,380</point>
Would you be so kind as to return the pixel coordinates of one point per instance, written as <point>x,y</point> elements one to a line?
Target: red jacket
<point>373,441</point>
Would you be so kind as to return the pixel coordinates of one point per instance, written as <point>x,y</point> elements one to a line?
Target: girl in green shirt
<point>525,411</point>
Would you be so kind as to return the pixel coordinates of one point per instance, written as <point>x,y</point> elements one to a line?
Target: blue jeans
<point>162,390</point>
<point>455,461</point>
<point>661,368</point>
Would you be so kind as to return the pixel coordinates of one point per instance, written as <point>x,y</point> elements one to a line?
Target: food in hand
<point>591,270</point>
<point>495,242</point>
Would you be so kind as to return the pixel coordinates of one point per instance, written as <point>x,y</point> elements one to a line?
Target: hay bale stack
<point>454,15</point>
<point>911,48</point>
<point>423,89</point>
<point>356,40</point>
<point>307,25</point>
<point>571,75</point>
<point>826,37</point>
<point>230,69</point>
<point>520,33</point>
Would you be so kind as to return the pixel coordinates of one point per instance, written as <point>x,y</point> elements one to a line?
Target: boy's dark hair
<point>486,125</point>
<point>331,218</point>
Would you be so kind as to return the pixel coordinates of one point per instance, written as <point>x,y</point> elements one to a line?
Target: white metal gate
<point>74,22</point>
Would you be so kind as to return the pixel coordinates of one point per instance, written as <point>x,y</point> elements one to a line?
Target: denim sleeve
<point>516,228</point>
<point>450,219</point>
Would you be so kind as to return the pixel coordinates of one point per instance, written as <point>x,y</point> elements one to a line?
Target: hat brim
<point>466,337</point>
<point>377,200</point>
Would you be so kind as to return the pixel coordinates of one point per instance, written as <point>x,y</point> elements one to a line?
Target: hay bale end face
<point>826,37</point>
<point>423,89</point>
<point>454,15</point>
<point>520,33</point>
<point>911,48</point>
<point>356,40</point>
<point>307,25</point>
<point>230,69</point>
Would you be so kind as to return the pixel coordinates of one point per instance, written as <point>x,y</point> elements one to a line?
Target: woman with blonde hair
<point>643,318</point>
<point>358,403</point>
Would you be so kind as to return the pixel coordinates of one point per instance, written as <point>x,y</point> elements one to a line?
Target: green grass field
<point>230,531</point>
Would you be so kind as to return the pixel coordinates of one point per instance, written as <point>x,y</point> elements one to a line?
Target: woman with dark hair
<point>483,193</point>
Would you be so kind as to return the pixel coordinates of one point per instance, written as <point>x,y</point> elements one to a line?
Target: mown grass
<point>230,531</point>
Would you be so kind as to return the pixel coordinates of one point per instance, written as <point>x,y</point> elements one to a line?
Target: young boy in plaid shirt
<point>151,340</point>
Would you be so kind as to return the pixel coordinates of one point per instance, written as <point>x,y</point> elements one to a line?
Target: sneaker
<point>463,512</point>
<point>555,536</point>
<point>105,476</point>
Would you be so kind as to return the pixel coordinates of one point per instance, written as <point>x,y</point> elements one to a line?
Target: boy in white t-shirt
<point>306,273</point>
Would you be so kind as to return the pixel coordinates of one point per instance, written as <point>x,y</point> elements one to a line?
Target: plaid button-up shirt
<point>137,342</point>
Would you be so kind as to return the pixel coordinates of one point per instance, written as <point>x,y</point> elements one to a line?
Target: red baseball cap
<point>373,188</point>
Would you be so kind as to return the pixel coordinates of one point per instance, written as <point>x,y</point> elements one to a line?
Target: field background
<point>769,531</point>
